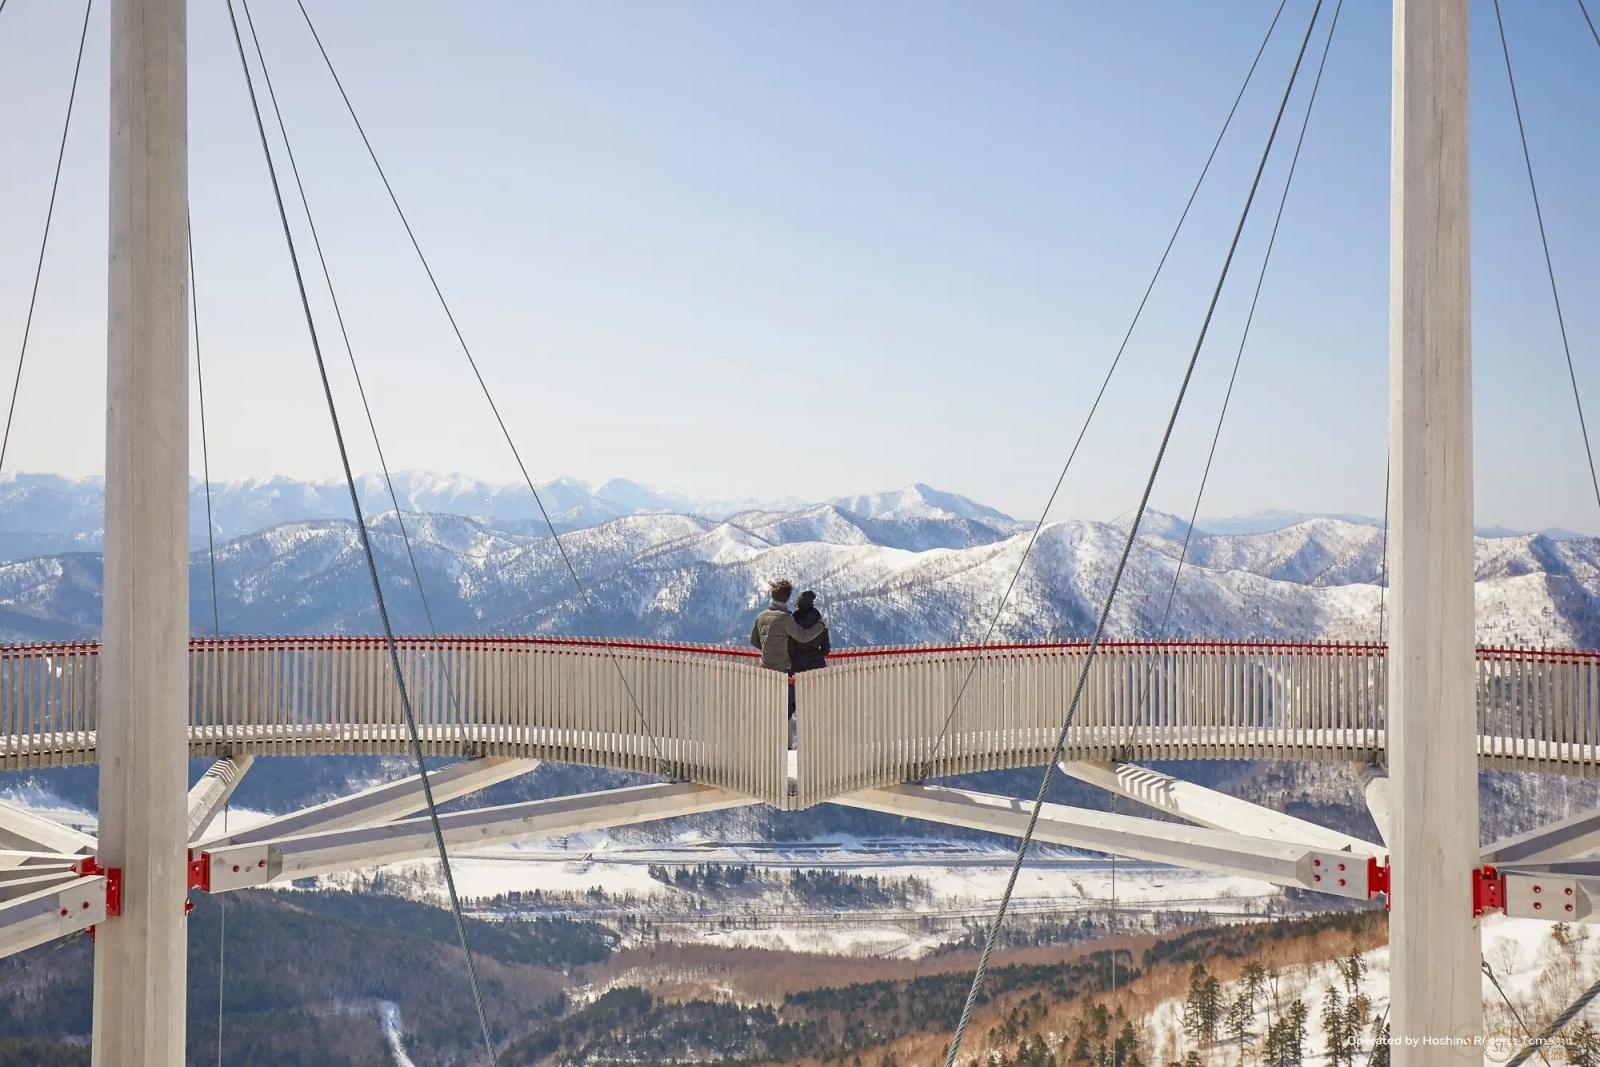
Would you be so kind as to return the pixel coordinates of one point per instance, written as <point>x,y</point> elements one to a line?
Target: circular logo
<point>1499,1045</point>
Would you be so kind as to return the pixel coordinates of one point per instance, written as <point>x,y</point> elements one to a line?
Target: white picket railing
<point>874,717</point>
<point>1539,709</point>
<point>695,712</point>
<point>882,716</point>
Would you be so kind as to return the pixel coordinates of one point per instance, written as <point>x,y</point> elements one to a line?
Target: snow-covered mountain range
<point>916,564</point>
<point>911,565</point>
<point>41,513</point>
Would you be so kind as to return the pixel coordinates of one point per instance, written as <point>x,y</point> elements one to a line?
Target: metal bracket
<point>78,898</point>
<point>1378,881</point>
<point>89,867</point>
<point>1540,896</point>
<point>199,871</point>
<point>1488,891</point>
<point>243,867</point>
<point>1341,874</point>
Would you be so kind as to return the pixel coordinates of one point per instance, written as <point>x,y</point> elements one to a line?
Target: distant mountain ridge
<point>913,565</point>
<point>42,514</point>
<point>909,566</point>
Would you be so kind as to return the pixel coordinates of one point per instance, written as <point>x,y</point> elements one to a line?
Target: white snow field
<point>955,890</point>
<point>1539,975</point>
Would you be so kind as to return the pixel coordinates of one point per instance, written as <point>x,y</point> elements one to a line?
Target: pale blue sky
<point>811,249</point>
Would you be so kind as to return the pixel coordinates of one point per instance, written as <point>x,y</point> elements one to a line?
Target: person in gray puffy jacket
<point>772,632</point>
<point>775,627</point>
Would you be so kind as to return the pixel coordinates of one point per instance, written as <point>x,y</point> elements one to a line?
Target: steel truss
<point>49,892</point>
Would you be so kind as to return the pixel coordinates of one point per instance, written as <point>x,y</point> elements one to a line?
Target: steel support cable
<point>583,594</point>
<point>44,240</point>
<point>23,962</point>
<point>366,545</point>
<point>1537,1044</point>
<point>1544,244</point>
<point>1581,7</point>
<point>1488,972</point>
<point>216,615</point>
<point>1238,358</point>
<point>1557,1024</point>
<point>1378,1037</point>
<point>355,370</point>
<point>205,446</point>
<point>1105,382</point>
<point>1122,563</point>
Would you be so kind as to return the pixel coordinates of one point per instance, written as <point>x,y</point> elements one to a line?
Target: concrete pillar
<point>1433,767</point>
<point>140,965</point>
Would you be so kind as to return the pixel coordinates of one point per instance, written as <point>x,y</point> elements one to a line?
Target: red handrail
<point>413,641</point>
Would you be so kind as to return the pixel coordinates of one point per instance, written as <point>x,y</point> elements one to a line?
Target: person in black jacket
<point>808,655</point>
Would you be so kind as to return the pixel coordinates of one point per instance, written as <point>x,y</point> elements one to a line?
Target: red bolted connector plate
<point>1378,881</point>
<point>200,871</point>
<point>1488,891</point>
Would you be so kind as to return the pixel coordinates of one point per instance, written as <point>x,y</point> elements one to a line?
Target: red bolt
<point>261,863</point>
<point>235,868</point>
<point>1341,866</point>
<point>86,905</point>
<point>1569,907</point>
<point>1538,889</point>
<point>1569,890</point>
<point>1316,863</point>
<point>1341,881</point>
<point>1316,877</point>
<point>63,913</point>
<point>1537,906</point>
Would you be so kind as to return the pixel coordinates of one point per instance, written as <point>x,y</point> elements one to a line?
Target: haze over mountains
<point>49,512</point>
<point>911,565</point>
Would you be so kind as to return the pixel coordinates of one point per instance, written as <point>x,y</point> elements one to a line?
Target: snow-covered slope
<point>919,517</point>
<point>1318,551</point>
<point>922,502</point>
<point>917,565</point>
<point>1540,968</point>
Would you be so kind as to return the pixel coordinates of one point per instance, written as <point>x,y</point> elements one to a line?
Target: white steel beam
<point>11,859</point>
<point>239,866</point>
<point>47,914</point>
<point>141,958</point>
<point>1208,807</point>
<point>22,829</point>
<point>1589,868</point>
<point>382,803</point>
<point>15,884</point>
<point>1434,943</point>
<point>1558,898</point>
<point>211,792</point>
<point>1281,863</point>
<point>1565,839</point>
<point>1375,788</point>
